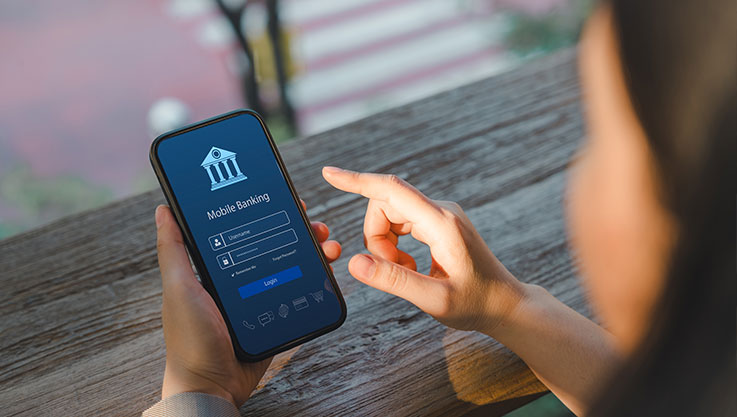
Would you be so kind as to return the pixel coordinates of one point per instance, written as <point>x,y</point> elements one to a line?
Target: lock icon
<point>225,261</point>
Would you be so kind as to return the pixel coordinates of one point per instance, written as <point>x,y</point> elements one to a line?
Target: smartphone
<point>247,233</point>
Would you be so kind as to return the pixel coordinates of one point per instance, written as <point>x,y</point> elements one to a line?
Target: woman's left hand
<point>199,353</point>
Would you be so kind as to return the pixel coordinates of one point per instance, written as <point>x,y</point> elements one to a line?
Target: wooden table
<point>80,332</point>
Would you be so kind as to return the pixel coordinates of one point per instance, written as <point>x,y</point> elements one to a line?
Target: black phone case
<point>197,257</point>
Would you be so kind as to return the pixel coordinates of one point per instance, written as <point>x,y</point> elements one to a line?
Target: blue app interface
<point>252,238</point>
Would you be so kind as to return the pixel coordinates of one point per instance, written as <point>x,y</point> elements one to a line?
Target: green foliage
<point>546,406</point>
<point>9,229</point>
<point>39,200</point>
<point>279,128</point>
<point>532,35</point>
<point>143,181</point>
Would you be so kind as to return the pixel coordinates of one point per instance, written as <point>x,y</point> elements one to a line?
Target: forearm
<point>569,353</point>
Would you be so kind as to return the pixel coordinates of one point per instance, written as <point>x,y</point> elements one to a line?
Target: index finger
<point>401,196</point>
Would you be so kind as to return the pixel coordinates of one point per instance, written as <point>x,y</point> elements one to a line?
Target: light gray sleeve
<point>192,404</point>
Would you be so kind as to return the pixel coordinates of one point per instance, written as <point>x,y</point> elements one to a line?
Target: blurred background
<point>86,85</point>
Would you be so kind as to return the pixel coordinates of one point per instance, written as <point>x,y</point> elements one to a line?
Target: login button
<point>281,277</point>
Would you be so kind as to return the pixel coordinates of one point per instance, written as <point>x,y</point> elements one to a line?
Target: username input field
<point>249,230</point>
<point>258,248</point>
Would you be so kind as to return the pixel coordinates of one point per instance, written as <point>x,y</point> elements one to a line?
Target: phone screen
<point>273,286</point>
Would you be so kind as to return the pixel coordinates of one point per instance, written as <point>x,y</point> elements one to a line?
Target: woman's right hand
<point>466,288</point>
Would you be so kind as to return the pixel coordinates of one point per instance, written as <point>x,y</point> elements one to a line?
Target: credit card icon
<point>300,303</point>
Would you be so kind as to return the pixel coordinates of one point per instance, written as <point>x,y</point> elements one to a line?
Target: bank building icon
<point>217,161</point>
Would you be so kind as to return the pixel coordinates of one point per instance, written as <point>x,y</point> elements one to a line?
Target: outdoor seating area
<point>82,330</point>
<point>390,208</point>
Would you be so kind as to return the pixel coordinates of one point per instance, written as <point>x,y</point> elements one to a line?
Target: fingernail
<point>363,266</point>
<point>158,216</point>
<point>331,170</point>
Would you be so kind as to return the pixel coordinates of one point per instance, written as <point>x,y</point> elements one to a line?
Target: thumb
<point>173,259</point>
<point>425,292</point>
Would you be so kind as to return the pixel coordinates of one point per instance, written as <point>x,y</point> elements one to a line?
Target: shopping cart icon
<point>317,296</point>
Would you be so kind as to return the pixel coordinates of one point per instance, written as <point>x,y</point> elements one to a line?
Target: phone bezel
<point>194,251</point>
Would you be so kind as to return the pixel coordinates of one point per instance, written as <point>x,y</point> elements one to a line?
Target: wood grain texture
<point>80,332</point>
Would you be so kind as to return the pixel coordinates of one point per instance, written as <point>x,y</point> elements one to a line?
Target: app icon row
<point>299,303</point>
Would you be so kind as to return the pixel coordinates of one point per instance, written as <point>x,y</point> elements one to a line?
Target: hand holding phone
<point>207,364</point>
<point>247,233</point>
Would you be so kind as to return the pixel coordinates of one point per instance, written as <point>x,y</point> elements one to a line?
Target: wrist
<point>508,306</point>
<point>178,380</point>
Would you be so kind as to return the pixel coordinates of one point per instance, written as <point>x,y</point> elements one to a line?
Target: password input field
<point>258,248</point>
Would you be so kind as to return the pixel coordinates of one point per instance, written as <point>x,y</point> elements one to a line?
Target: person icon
<point>217,242</point>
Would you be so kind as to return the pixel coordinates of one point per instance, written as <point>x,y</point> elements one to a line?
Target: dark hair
<point>679,59</point>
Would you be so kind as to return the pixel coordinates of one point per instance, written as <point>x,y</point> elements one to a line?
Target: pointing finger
<point>401,196</point>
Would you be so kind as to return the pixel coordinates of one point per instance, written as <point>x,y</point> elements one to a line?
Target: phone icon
<point>248,325</point>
